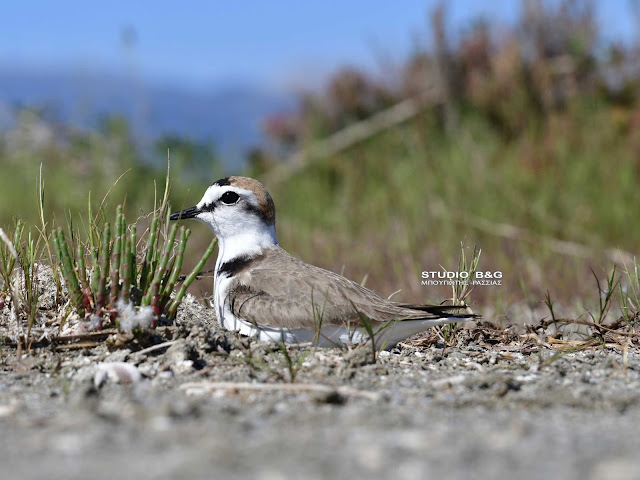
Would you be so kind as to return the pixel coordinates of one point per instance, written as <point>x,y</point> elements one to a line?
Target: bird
<point>262,291</point>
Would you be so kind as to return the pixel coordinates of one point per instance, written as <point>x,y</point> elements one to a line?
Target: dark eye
<point>229,198</point>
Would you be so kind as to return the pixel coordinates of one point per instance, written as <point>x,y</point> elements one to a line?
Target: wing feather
<point>307,295</point>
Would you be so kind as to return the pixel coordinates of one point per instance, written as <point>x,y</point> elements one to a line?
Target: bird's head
<point>235,207</point>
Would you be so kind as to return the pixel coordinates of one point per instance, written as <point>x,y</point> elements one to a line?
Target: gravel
<point>196,407</point>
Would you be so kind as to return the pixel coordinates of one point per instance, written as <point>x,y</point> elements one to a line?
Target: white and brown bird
<point>261,290</point>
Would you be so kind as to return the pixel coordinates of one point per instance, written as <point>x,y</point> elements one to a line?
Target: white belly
<point>338,336</point>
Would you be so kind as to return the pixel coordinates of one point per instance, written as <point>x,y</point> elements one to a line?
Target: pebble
<point>117,372</point>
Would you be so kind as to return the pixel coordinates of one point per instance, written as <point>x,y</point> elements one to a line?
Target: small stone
<point>117,372</point>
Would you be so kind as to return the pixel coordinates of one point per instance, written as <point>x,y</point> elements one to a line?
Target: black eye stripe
<point>229,198</point>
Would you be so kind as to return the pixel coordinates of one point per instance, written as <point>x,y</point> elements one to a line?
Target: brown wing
<point>261,294</point>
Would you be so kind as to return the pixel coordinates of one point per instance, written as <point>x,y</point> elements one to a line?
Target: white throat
<point>248,243</point>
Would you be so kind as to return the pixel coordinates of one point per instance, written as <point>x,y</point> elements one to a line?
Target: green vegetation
<point>115,272</point>
<point>78,162</point>
<point>105,276</point>
<point>411,194</point>
<point>526,147</point>
<point>19,273</point>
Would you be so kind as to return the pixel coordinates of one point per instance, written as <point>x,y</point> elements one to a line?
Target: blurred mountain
<point>228,116</point>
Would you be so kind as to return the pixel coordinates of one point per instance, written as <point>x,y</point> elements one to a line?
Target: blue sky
<point>204,43</point>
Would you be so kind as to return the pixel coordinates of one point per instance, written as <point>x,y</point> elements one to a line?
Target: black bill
<point>188,213</point>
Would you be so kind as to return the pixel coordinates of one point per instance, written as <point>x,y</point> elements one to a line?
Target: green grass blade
<point>173,307</point>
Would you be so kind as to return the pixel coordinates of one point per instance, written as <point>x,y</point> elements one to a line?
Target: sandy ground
<point>473,411</point>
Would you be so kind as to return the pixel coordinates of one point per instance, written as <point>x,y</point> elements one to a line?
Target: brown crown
<point>265,202</point>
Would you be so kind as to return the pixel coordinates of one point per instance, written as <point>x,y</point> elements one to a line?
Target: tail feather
<point>442,310</point>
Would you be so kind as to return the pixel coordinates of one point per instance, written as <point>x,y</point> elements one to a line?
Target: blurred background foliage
<point>527,138</point>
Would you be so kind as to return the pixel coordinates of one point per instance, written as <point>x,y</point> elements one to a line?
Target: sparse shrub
<point>106,269</point>
<point>106,275</point>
